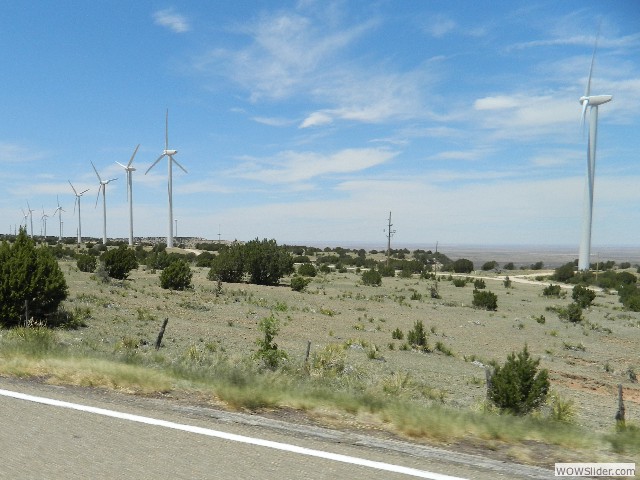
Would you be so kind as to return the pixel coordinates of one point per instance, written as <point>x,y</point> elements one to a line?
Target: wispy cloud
<point>292,167</point>
<point>439,25</point>
<point>274,121</point>
<point>16,153</point>
<point>297,54</point>
<point>170,19</point>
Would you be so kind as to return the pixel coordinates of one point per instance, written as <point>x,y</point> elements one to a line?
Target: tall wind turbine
<point>24,218</point>
<point>44,223</point>
<point>129,169</point>
<point>103,187</point>
<point>169,154</point>
<point>592,102</point>
<point>30,216</point>
<point>77,202</point>
<point>59,211</point>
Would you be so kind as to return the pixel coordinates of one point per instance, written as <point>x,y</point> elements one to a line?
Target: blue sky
<point>310,121</point>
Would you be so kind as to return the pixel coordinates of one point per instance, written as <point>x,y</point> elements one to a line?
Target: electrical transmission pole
<point>389,235</point>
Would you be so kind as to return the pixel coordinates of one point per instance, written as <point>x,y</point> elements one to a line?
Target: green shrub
<point>489,265</point>
<point>583,296</point>
<point>552,291</point>
<point>509,266</point>
<point>266,262</point>
<point>177,276</point>
<point>28,274</point>
<point>307,270</point>
<point>372,277</point>
<point>397,334</point>
<point>417,336</point>
<point>517,387</point>
<point>564,273</point>
<point>228,265</point>
<point>485,299</point>
<point>387,270</point>
<point>119,262</point>
<point>572,313</point>
<point>462,265</point>
<point>459,282</point>
<point>86,263</point>
<point>298,284</point>
<point>479,284</point>
<point>268,352</point>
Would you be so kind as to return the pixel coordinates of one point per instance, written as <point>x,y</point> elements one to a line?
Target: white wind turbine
<point>24,218</point>
<point>129,169</point>
<point>103,187</point>
<point>59,211</point>
<point>169,154</point>
<point>591,101</point>
<point>30,216</point>
<point>44,223</point>
<point>77,202</point>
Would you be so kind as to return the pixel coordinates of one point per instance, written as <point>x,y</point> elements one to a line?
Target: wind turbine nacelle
<point>170,152</point>
<point>595,100</point>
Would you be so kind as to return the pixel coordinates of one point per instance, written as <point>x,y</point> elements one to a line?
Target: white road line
<point>232,437</point>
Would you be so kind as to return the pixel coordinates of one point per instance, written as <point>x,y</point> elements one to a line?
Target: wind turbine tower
<point>592,102</point>
<point>59,211</point>
<point>77,202</point>
<point>129,169</point>
<point>44,223</point>
<point>169,154</point>
<point>30,217</point>
<point>103,187</point>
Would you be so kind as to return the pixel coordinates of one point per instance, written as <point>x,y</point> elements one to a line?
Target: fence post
<point>161,334</point>
<point>620,422</point>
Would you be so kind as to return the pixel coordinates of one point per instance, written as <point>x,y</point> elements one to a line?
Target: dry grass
<point>437,396</point>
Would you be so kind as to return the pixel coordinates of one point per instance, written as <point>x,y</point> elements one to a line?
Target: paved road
<point>40,441</point>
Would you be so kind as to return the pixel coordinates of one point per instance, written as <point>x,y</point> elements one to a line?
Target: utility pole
<point>389,235</point>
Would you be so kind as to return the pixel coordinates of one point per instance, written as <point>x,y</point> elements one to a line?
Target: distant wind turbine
<point>591,101</point>
<point>59,211</point>
<point>30,217</point>
<point>169,154</point>
<point>24,219</point>
<point>129,169</point>
<point>44,223</point>
<point>77,202</point>
<point>103,187</point>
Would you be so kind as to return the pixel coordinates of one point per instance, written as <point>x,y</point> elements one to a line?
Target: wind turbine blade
<point>166,131</point>
<point>134,154</point>
<point>154,163</point>
<point>111,180</point>
<point>593,60</point>
<point>94,169</point>
<point>74,205</point>
<point>176,162</point>
<point>85,191</point>
<point>123,166</point>
<point>98,196</point>
<point>74,190</point>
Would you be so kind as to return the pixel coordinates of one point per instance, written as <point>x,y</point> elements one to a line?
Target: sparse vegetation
<point>31,282</point>
<point>485,299</point>
<point>177,276</point>
<point>518,387</point>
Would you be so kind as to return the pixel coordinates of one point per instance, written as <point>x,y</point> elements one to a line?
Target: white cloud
<point>316,119</point>
<point>16,153</point>
<point>292,167</point>
<point>274,121</point>
<point>173,21</point>
<point>439,26</point>
<point>497,103</point>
